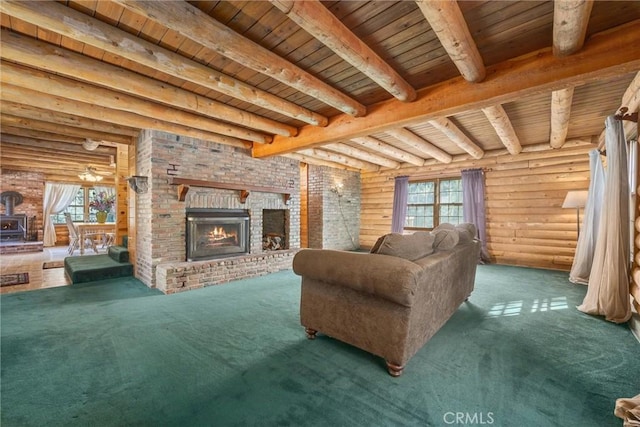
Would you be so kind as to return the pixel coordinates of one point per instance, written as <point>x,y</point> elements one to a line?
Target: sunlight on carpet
<point>515,308</point>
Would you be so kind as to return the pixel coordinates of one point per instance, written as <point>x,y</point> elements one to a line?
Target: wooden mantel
<point>184,184</point>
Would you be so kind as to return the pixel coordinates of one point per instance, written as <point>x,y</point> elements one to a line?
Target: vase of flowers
<point>102,203</point>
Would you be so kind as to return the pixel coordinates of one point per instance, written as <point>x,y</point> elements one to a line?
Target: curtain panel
<point>586,246</point>
<point>400,194</point>
<point>608,290</point>
<point>56,199</point>
<point>473,206</point>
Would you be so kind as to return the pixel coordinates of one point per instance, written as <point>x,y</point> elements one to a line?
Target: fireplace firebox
<point>217,233</point>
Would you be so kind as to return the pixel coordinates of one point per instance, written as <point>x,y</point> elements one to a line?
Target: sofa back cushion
<point>467,232</point>
<point>408,246</point>
<point>445,239</point>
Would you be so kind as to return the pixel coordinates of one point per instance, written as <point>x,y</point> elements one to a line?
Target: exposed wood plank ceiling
<point>354,84</point>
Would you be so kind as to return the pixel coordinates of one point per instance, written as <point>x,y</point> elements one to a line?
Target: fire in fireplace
<point>216,233</point>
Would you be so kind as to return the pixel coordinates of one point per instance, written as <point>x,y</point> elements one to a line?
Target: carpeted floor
<point>115,353</point>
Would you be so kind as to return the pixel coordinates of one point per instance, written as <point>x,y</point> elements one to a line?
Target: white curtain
<point>56,199</point>
<point>608,291</point>
<point>586,246</point>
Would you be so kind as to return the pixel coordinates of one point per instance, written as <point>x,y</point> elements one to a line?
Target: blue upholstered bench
<point>115,263</point>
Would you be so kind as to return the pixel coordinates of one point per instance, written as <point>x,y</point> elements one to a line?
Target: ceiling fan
<point>92,175</point>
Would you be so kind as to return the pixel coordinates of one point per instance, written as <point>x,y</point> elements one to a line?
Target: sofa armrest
<point>388,277</point>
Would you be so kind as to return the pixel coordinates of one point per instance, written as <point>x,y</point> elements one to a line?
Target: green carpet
<point>114,353</point>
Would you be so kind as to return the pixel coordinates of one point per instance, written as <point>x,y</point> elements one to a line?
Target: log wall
<point>526,224</point>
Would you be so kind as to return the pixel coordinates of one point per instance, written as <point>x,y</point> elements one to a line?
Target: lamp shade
<point>575,199</point>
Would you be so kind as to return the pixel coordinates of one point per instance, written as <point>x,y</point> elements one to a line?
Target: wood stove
<point>217,233</point>
<point>13,227</point>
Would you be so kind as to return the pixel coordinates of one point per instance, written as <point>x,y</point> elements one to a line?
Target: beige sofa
<point>391,302</point>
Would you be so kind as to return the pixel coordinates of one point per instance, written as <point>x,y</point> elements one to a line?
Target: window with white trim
<point>433,202</point>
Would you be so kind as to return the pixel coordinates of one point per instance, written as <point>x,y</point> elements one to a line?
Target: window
<point>79,208</point>
<point>430,203</point>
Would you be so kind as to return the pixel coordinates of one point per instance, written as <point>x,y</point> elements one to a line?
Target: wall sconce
<point>576,199</point>
<point>337,188</point>
<point>139,184</point>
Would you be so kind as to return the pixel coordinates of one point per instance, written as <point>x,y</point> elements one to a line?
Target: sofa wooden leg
<point>394,370</point>
<point>311,333</point>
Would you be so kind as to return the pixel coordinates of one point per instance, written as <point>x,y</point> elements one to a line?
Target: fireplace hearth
<point>217,233</point>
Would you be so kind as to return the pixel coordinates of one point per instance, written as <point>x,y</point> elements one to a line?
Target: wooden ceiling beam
<point>97,112</point>
<point>42,148</point>
<point>44,56</point>
<point>64,121</point>
<point>362,154</point>
<point>191,22</point>
<point>48,143</point>
<point>561,101</point>
<point>447,21</point>
<point>66,172</point>
<point>47,136</point>
<point>319,162</point>
<point>62,175</point>
<point>503,127</point>
<point>40,164</point>
<point>420,144</point>
<point>340,158</point>
<point>630,100</point>
<point>40,126</point>
<point>603,56</point>
<point>318,21</point>
<point>455,134</point>
<point>73,165</point>
<point>19,75</point>
<point>376,145</point>
<point>77,26</point>
<point>570,21</point>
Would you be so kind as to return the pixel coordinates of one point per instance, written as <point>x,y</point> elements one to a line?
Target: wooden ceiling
<point>363,85</point>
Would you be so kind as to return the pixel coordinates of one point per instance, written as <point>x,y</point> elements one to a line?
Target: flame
<point>219,233</point>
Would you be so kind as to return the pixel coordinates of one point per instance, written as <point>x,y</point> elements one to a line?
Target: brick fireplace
<point>161,218</point>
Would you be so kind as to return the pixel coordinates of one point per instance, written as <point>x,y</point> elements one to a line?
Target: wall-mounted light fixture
<point>337,188</point>
<point>139,184</point>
